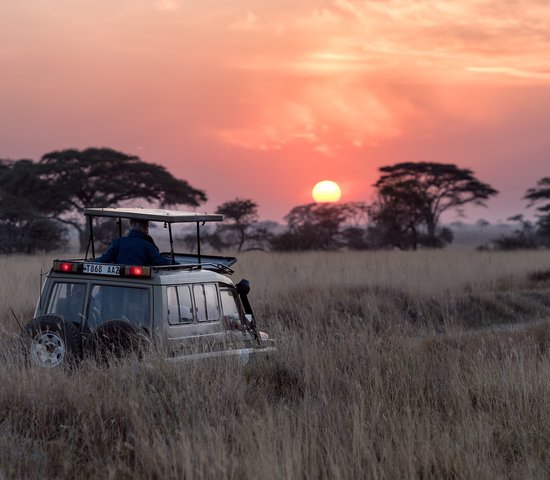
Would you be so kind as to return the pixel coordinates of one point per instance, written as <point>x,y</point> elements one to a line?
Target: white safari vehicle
<point>187,310</point>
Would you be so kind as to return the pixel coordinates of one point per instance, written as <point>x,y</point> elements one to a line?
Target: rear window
<point>108,302</point>
<point>67,301</point>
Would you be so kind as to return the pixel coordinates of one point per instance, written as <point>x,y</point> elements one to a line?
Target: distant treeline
<point>40,202</point>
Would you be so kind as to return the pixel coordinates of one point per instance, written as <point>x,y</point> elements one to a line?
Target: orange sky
<point>261,99</point>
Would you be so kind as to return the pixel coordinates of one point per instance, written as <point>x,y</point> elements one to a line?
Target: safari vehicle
<point>186,310</point>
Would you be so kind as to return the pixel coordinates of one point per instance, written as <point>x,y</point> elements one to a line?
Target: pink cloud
<point>336,87</point>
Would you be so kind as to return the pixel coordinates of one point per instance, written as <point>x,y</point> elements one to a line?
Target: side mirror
<point>243,287</point>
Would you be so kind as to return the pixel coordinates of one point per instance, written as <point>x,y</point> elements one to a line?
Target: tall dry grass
<point>386,369</point>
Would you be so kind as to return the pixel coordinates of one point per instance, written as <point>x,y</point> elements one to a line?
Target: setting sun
<point>289,87</point>
<point>326,191</point>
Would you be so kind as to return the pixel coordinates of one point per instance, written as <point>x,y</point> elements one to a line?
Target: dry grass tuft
<point>390,365</point>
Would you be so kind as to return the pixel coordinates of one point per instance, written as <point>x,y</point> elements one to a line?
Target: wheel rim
<point>48,349</point>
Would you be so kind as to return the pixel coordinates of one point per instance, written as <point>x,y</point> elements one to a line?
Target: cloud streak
<point>513,72</point>
<point>331,85</point>
<point>342,52</point>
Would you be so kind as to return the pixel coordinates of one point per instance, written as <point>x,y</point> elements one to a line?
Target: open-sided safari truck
<point>189,309</point>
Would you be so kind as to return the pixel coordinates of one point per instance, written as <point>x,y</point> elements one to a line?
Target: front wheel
<point>51,342</point>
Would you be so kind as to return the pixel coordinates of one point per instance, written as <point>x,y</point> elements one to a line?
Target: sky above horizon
<point>262,99</point>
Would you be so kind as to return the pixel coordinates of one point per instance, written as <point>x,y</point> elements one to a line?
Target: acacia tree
<point>23,226</point>
<point>240,228</point>
<point>411,197</point>
<point>102,177</point>
<point>396,220</point>
<point>536,196</point>
<point>239,217</point>
<point>322,226</point>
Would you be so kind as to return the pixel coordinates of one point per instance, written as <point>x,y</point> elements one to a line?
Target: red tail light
<point>137,271</point>
<point>65,267</point>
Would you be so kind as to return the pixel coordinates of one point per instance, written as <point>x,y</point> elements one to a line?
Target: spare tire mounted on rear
<point>49,341</point>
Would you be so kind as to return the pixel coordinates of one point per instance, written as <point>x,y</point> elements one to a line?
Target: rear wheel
<point>50,342</point>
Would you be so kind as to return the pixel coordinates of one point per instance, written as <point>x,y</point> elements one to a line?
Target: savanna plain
<point>428,364</point>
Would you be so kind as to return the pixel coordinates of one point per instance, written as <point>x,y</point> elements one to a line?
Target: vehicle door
<point>129,303</point>
<point>194,319</point>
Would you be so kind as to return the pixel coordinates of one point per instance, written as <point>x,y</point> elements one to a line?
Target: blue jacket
<point>133,249</point>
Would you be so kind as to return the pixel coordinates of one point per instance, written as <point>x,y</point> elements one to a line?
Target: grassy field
<point>390,365</point>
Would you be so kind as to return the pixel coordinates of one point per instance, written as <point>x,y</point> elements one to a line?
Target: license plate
<point>101,269</point>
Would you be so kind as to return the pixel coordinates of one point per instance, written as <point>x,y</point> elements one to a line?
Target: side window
<point>173,305</point>
<point>186,304</point>
<point>229,302</point>
<point>109,302</point>
<point>231,309</point>
<point>67,301</point>
<point>206,301</point>
<point>180,305</point>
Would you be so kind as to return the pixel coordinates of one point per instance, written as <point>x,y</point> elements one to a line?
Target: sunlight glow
<point>326,191</point>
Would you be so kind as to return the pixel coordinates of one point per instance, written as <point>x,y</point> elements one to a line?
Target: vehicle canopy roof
<point>153,214</point>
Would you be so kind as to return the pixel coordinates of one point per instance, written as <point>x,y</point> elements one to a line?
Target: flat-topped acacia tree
<point>102,177</point>
<point>240,215</point>
<point>411,197</point>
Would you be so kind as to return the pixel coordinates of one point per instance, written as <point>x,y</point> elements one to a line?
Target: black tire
<point>50,342</point>
<point>117,339</point>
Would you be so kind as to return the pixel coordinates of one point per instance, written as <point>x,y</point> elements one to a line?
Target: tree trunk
<point>83,237</point>
<point>414,238</point>
<point>242,239</point>
<point>431,226</point>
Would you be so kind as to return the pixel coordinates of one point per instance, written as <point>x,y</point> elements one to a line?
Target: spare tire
<point>50,342</point>
<point>117,338</point>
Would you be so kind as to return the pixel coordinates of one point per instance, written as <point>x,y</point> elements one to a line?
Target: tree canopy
<point>540,193</point>
<point>24,228</point>
<point>101,177</point>
<point>411,197</point>
<point>240,229</point>
<point>323,226</point>
<point>239,217</point>
<point>537,196</point>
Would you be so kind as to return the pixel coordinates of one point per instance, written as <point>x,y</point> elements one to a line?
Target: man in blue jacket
<point>137,248</point>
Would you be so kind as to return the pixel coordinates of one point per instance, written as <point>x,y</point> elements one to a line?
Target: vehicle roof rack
<point>213,267</point>
<point>151,214</point>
